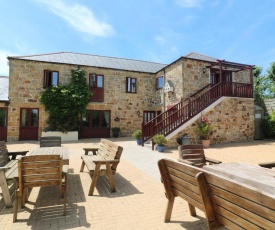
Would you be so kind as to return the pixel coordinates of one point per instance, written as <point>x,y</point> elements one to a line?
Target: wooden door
<point>3,124</point>
<point>96,124</point>
<point>29,120</point>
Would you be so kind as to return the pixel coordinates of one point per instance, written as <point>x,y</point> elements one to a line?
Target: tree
<point>66,103</point>
<point>264,85</point>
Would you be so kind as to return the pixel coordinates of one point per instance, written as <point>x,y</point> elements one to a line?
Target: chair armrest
<point>186,162</point>
<point>87,150</point>
<point>268,164</point>
<point>65,169</point>
<point>17,153</point>
<point>106,161</point>
<point>212,161</point>
<point>4,168</point>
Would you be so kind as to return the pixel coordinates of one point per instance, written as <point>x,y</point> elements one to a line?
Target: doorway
<point>29,119</point>
<point>3,124</point>
<point>96,124</point>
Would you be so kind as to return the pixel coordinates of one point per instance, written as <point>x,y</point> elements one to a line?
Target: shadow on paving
<point>123,187</point>
<point>47,210</point>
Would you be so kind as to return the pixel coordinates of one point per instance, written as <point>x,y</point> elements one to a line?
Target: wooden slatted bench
<point>225,202</point>
<point>194,155</point>
<point>8,170</point>
<point>103,162</point>
<point>51,141</point>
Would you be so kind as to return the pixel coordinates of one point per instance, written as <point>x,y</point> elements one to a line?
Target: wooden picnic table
<point>257,177</point>
<point>52,151</point>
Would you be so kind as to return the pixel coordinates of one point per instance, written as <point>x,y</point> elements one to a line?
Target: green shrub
<point>268,126</point>
<point>137,134</point>
<point>159,139</point>
<point>66,103</point>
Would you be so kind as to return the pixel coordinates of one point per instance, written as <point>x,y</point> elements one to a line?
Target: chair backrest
<point>4,156</point>
<point>180,180</point>
<point>39,171</point>
<point>193,153</point>
<point>50,141</point>
<point>108,150</point>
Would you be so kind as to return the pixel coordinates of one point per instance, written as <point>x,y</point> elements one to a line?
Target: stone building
<point>128,93</point>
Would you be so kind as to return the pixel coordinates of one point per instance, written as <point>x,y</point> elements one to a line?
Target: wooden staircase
<point>168,121</point>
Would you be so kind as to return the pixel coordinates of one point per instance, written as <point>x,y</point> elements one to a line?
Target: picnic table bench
<point>103,162</point>
<point>194,155</point>
<point>8,170</point>
<point>234,203</point>
<point>51,141</point>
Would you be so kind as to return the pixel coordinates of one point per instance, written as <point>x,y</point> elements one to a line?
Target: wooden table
<point>52,151</point>
<point>253,176</point>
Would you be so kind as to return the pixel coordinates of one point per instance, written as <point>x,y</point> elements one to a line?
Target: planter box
<point>69,136</point>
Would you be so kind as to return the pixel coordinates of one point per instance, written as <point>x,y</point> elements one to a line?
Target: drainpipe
<point>251,79</point>
<point>220,63</point>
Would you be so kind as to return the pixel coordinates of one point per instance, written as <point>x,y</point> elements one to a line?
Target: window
<point>131,85</point>
<point>50,78</point>
<point>159,82</point>
<point>96,81</point>
<point>96,84</point>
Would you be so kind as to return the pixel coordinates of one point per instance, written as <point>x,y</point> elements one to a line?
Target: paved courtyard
<point>139,201</point>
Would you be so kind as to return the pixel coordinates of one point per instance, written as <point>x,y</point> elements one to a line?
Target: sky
<point>151,30</point>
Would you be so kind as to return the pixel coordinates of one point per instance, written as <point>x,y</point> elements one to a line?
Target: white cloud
<point>159,39</point>
<point>79,17</point>
<point>190,3</point>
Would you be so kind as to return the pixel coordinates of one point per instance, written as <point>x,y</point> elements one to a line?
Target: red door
<point>29,119</point>
<point>96,124</point>
<point>3,124</point>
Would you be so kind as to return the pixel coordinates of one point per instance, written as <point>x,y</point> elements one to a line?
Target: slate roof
<point>4,88</point>
<point>201,57</point>
<point>95,61</point>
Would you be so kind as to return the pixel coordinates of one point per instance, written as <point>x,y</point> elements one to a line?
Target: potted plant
<point>160,140</point>
<point>115,131</point>
<point>204,131</point>
<point>137,134</point>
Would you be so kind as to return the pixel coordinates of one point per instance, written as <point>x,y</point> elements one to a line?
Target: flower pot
<point>139,141</point>
<point>205,143</point>
<point>160,148</point>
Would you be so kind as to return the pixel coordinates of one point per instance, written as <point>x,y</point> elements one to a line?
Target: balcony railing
<point>168,121</point>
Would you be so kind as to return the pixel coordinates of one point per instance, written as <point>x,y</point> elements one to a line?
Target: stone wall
<point>27,85</point>
<point>232,121</point>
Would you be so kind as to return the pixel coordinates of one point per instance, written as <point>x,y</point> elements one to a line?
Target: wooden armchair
<point>39,171</point>
<point>194,155</point>
<point>53,141</point>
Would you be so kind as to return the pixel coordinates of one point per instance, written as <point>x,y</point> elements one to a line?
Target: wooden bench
<point>53,141</point>
<point>225,202</point>
<point>103,162</point>
<point>8,170</point>
<point>194,155</point>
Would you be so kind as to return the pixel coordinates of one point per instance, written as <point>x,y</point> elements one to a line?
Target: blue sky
<point>150,30</point>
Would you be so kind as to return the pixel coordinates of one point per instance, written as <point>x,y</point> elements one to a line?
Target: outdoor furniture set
<point>233,195</point>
